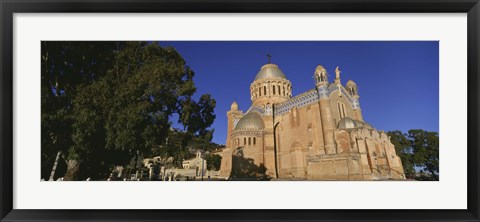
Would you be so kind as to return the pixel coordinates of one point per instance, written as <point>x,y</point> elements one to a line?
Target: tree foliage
<point>65,68</point>
<point>426,150</point>
<point>213,161</point>
<point>103,101</point>
<point>197,117</point>
<point>404,151</point>
<point>417,149</point>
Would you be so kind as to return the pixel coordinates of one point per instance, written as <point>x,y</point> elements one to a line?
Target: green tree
<point>131,105</point>
<point>417,149</point>
<point>66,67</point>
<point>102,102</point>
<point>198,116</point>
<point>426,150</point>
<point>404,151</point>
<point>213,161</point>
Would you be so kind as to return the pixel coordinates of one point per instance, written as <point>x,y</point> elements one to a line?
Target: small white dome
<point>348,123</point>
<point>251,120</point>
<point>351,83</point>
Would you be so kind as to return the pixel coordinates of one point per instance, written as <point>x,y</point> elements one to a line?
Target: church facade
<point>317,135</point>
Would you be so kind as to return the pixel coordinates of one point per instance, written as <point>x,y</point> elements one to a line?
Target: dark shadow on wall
<point>246,169</point>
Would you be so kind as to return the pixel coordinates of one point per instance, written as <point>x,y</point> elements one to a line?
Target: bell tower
<point>233,115</point>
<point>353,91</point>
<point>328,125</point>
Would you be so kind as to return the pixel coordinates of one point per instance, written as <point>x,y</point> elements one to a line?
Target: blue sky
<point>398,82</point>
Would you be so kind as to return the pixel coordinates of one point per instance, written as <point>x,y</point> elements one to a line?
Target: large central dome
<point>270,71</point>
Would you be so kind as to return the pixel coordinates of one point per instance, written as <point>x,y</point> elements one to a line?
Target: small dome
<point>234,106</point>
<point>320,69</point>
<point>351,83</point>
<point>348,123</point>
<point>270,71</point>
<point>251,120</point>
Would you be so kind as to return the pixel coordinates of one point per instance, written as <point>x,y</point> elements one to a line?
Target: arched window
<point>244,141</point>
<point>284,90</point>
<point>279,92</point>
<point>273,87</point>
<point>341,110</point>
<point>323,77</point>
<point>264,90</point>
<point>254,140</point>
<point>249,141</point>
<point>260,91</point>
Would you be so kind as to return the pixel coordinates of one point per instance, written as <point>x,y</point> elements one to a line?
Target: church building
<point>319,134</point>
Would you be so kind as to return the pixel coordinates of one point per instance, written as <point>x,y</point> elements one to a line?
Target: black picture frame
<point>9,7</point>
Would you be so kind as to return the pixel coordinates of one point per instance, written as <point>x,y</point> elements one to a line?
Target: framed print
<point>266,110</point>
